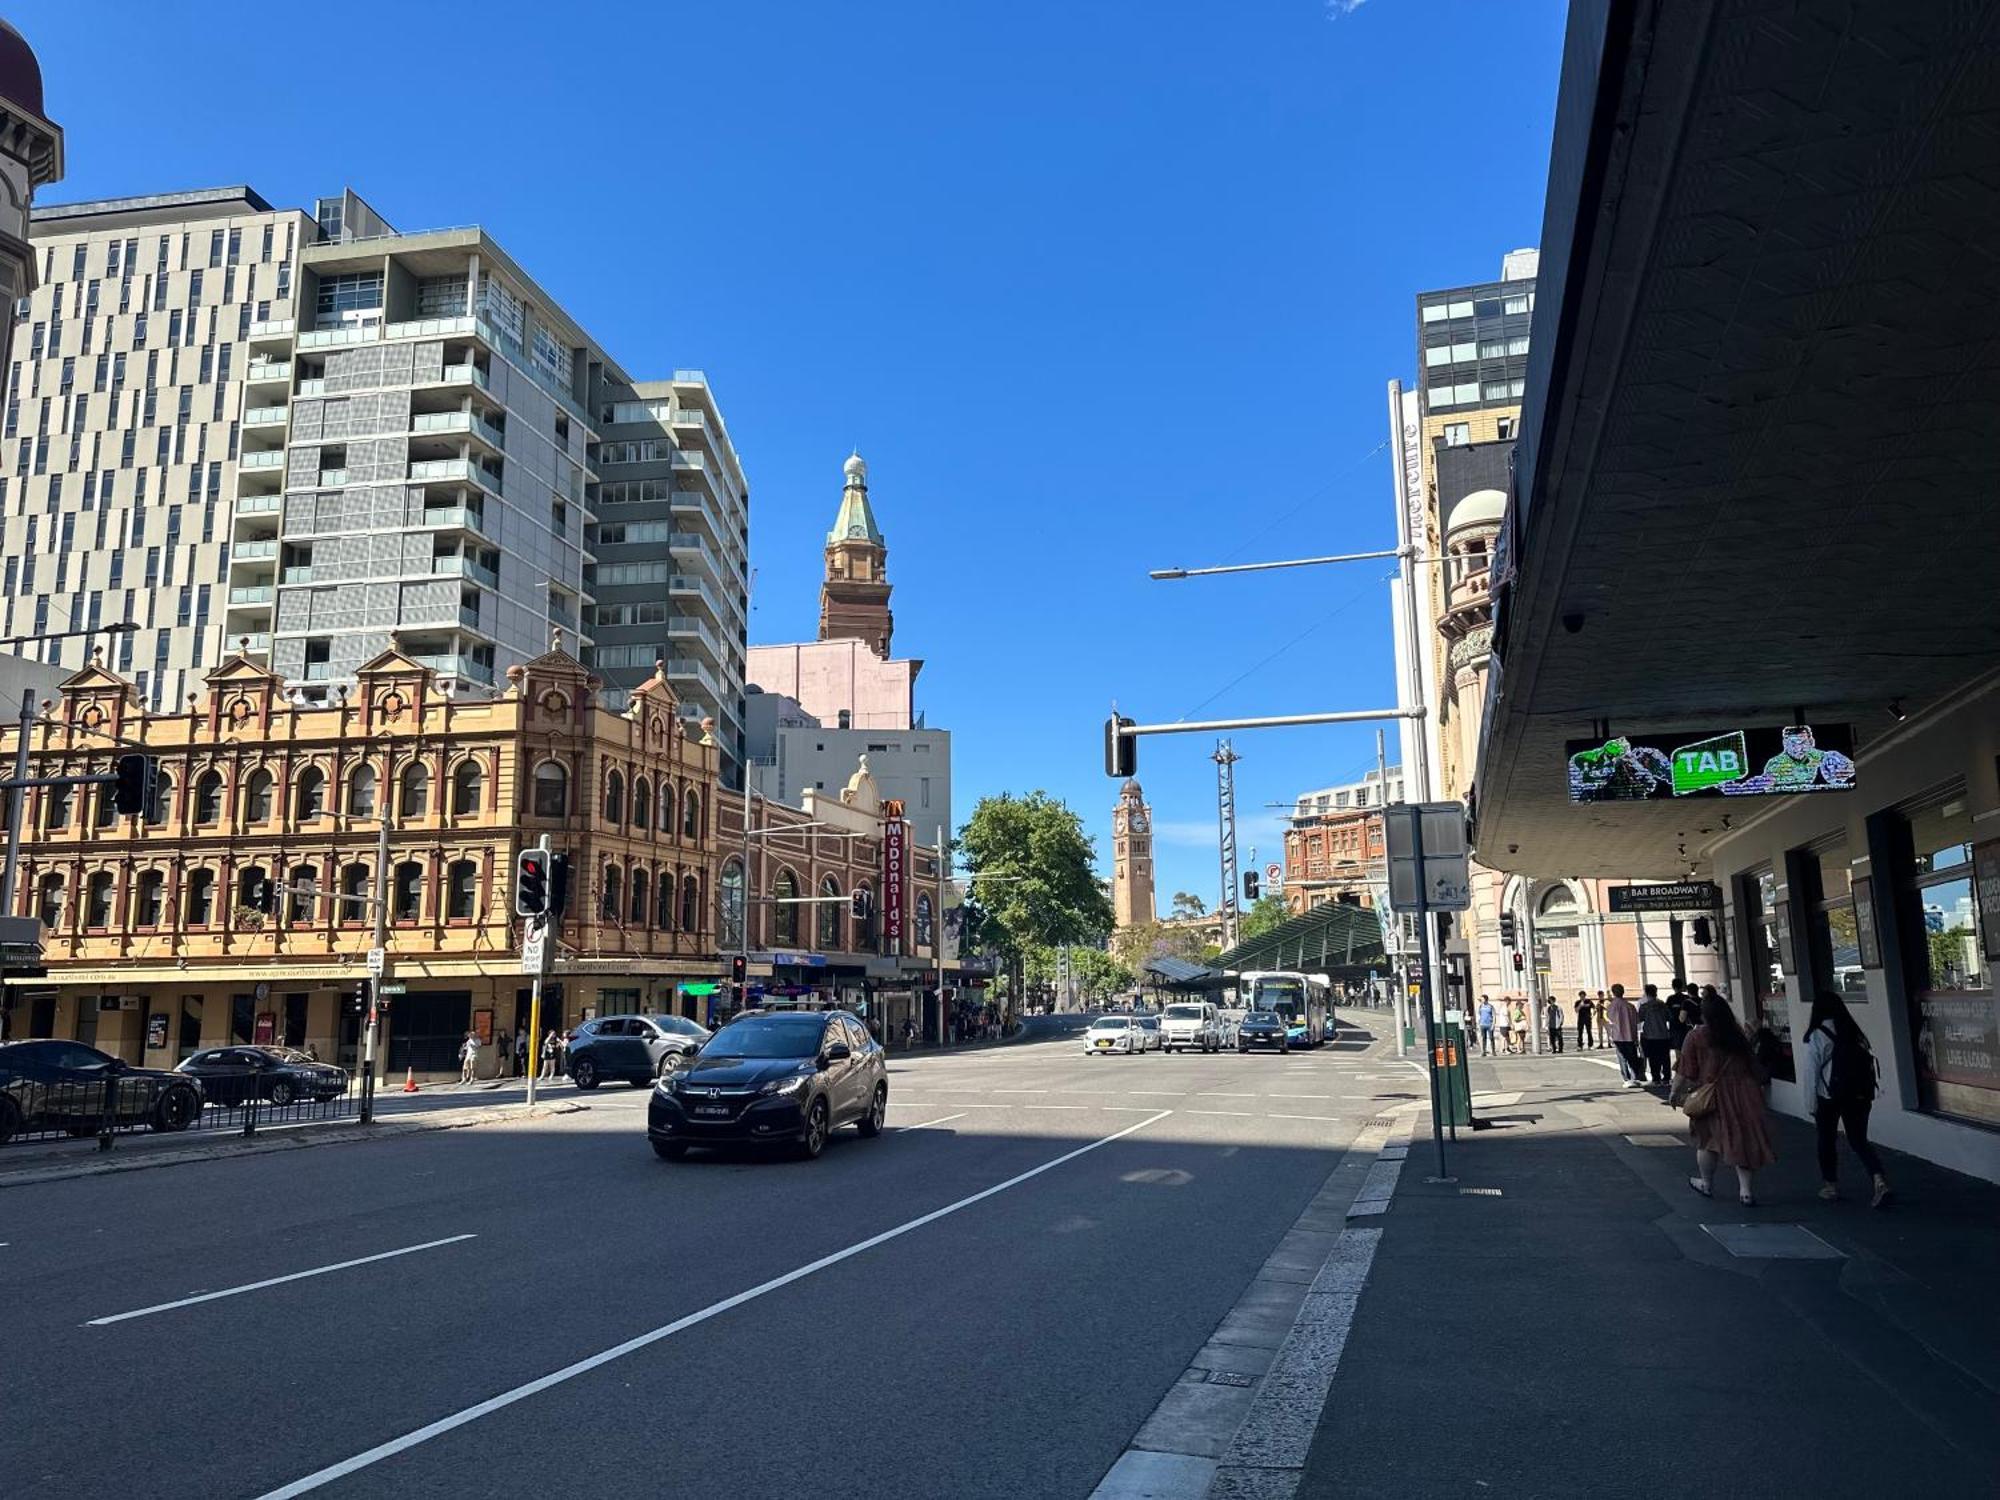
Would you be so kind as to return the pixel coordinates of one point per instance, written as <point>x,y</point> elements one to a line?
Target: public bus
<point>1299,998</point>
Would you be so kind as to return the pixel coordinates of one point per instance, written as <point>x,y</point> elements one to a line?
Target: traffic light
<point>739,970</point>
<point>358,1004</point>
<point>1517,961</point>
<point>1703,934</point>
<point>558,886</point>
<point>1249,885</point>
<point>531,883</point>
<point>1507,933</point>
<point>133,792</point>
<point>261,893</point>
<point>1121,751</point>
<point>863,903</point>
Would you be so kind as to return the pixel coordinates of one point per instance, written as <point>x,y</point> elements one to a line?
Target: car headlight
<point>789,1085</point>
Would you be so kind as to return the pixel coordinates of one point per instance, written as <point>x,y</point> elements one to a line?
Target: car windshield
<point>1261,1017</point>
<point>1183,1012</point>
<point>768,1036</point>
<point>1109,1023</point>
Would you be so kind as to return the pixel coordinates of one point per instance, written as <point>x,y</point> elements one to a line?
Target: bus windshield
<point>1287,997</point>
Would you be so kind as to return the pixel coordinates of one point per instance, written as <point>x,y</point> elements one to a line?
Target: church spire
<point>854,599</point>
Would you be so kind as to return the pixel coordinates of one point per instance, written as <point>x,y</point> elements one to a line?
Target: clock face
<point>1138,824</point>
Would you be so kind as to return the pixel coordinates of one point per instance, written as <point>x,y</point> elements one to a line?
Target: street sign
<point>378,959</point>
<point>390,987</point>
<point>534,948</point>
<point>1674,895</point>
<point>1439,880</point>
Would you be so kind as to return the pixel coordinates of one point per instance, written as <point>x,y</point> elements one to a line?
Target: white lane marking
<point>1155,1093</point>
<point>1055,1106</point>
<point>943,1120</point>
<point>1239,1113</point>
<point>568,1372</point>
<point>1323,1119</point>
<point>1221,1094</point>
<point>258,1286</point>
<point>1017,1091</point>
<point>1295,1096</point>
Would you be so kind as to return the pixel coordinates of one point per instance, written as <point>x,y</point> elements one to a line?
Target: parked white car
<point>1191,1026</point>
<point>1113,1034</point>
<point>1150,1037</point>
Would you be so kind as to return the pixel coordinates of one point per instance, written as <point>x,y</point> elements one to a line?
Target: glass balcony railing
<point>298,575</point>
<point>466,374</point>
<point>272,328</point>
<point>465,567</point>
<point>453,515</point>
<point>266,416</point>
<point>330,478</point>
<point>261,594</point>
<point>313,386</point>
<point>272,460</point>
<point>250,505</point>
<point>441,421</point>
<point>319,671</point>
<point>257,642</point>
<point>467,615</point>
<point>457,666</point>
<point>268,371</point>
<point>441,468</point>
<point>261,551</point>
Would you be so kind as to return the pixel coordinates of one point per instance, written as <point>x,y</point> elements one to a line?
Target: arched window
<point>639,893</point>
<point>865,927</point>
<point>406,904</point>
<point>926,920</point>
<point>208,798</point>
<point>416,799</point>
<point>461,887</point>
<point>160,805</point>
<point>304,893</point>
<point>691,815</point>
<point>829,913</point>
<point>614,798</point>
<point>669,803</point>
<point>152,899</point>
<point>551,790</point>
<point>642,802</point>
<point>253,887</point>
<point>56,808</point>
<point>257,798</point>
<point>690,904</point>
<point>785,911</point>
<point>200,898</point>
<point>612,902</point>
<point>361,792</point>
<point>49,901</point>
<point>730,910</point>
<point>309,794</point>
<point>97,899</point>
<point>354,895</point>
<point>663,902</point>
<point>468,789</point>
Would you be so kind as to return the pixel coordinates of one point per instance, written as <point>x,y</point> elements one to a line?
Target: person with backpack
<point>1720,1089</point>
<point>1845,1082</point>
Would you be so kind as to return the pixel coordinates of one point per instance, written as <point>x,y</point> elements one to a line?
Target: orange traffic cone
<point>410,1080</point>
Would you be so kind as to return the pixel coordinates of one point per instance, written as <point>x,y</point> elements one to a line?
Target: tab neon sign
<point>1796,759</point>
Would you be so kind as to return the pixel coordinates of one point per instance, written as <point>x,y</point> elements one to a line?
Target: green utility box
<point>1454,1070</point>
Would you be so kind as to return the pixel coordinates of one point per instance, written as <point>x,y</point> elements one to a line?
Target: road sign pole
<point>1424,971</point>
<point>535,997</point>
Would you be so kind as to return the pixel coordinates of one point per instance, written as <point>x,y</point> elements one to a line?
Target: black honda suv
<point>786,1076</point>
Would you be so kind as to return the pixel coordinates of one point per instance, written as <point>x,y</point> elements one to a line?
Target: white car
<point>1113,1034</point>
<point>1191,1025</point>
<point>1151,1038</point>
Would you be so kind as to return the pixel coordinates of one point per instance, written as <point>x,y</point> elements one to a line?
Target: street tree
<point>1134,945</point>
<point>1188,904</point>
<point>1033,874</point>
<point>1264,914</point>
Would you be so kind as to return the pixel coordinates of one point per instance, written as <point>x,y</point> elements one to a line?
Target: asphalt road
<point>988,1301</point>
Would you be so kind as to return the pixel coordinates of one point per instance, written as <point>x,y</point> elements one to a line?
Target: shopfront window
<point>1765,979</point>
<point>1831,930</point>
<point>1954,1018</point>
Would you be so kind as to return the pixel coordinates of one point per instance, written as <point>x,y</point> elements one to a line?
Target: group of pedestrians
<point>513,1053</point>
<point>1503,1028</point>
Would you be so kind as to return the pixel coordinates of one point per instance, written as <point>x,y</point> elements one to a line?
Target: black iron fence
<point>45,1096</point>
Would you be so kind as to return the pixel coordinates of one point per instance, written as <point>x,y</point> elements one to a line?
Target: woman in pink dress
<point>1733,1130</point>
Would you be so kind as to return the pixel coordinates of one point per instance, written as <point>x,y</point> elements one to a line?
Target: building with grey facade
<point>300,435</point>
<point>791,752</point>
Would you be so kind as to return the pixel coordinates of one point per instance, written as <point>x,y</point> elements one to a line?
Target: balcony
<point>348,333</point>
<point>441,421</point>
<point>259,551</point>
<point>259,594</point>
<point>256,642</point>
<point>433,328</point>
<point>686,541</point>
<point>272,328</point>
<point>441,468</point>
<point>332,478</point>
<point>464,567</point>
<point>468,616</point>
<point>313,386</point>
<point>688,669</point>
<point>268,372</point>
<point>266,416</point>
<point>465,374</point>
<point>319,671</point>
<point>457,666</point>
<point>274,459</point>
<point>297,575</point>
<point>251,505</point>
<point>458,517</point>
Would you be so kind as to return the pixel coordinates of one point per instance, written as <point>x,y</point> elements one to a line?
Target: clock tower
<point>854,599</point>
<point>1132,854</point>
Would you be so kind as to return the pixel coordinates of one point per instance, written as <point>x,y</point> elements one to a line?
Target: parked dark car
<point>62,1086</point>
<point>634,1049</point>
<point>788,1077</point>
<point>279,1075</point>
<point>1263,1028</point>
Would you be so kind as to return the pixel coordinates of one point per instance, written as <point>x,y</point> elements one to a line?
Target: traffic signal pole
<point>535,997</point>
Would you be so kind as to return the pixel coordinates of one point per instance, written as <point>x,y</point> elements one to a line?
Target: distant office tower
<point>301,435</point>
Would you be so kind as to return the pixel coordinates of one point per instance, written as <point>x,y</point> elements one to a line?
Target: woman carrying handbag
<point>1720,1088</point>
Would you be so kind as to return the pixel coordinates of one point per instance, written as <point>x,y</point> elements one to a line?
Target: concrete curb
<point>334,1133</point>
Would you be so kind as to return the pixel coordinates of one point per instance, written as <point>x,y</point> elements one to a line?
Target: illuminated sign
<point>1735,763</point>
<point>894,869</point>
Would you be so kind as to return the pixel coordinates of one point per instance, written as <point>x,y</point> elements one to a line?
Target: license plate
<point>1104,1044</point>
<point>711,1109</point>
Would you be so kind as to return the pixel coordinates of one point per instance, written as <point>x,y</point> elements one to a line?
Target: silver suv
<point>635,1049</point>
<point>1191,1024</point>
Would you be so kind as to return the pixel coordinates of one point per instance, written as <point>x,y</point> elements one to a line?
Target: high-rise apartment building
<point>313,433</point>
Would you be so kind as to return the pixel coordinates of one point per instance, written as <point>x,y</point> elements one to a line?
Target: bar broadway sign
<point>1678,895</point>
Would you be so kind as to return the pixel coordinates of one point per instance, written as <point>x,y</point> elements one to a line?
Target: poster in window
<point>1864,922</point>
<point>156,1030</point>
<point>1781,932</point>
<point>1986,879</point>
<point>482,1027</point>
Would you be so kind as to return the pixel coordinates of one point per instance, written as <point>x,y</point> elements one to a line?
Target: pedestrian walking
<point>503,1050</point>
<point>521,1053</point>
<point>548,1058</point>
<point>1517,1017</point>
<point>468,1058</point>
<point>1656,1034</point>
<point>1583,1021</point>
<point>1846,1079</point>
<point>1602,1006</point>
<point>1554,1021</point>
<point>1684,1014</point>
<point>1485,1014</point>
<point>1721,1090</point>
<point>1621,1024</point>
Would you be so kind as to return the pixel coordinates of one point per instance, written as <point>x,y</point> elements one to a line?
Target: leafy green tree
<point>1266,913</point>
<point>1188,904</point>
<point>1033,876</point>
<point>1134,945</point>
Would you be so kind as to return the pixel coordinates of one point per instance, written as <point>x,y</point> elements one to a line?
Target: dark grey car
<point>632,1049</point>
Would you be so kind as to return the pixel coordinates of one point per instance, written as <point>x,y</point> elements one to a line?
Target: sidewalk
<point>1563,1319</point>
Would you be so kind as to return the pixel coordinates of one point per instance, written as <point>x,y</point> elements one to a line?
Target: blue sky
<point>1095,286</point>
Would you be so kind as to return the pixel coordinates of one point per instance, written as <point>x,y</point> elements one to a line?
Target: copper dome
<point>20,73</point>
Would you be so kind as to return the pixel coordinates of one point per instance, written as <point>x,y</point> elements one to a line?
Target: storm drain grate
<point>1230,1377</point>
<point>1479,1192</point>
<point>1380,1122</point>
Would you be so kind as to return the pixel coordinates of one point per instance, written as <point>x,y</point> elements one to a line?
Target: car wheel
<point>176,1109</point>
<point>670,1150</point>
<point>672,1063</point>
<point>813,1141</point>
<point>282,1093</point>
<point>583,1073</point>
<point>870,1124</point>
<point>10,1119</point>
